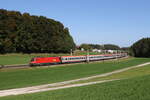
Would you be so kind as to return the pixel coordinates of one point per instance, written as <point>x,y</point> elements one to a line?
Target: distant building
<point>97,50</point>
<point>82,49</point>
<point>111,51</point>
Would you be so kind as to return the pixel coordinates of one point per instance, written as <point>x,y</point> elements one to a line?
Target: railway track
<point>14,66</point>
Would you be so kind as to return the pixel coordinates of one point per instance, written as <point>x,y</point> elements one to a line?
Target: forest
<point>25,33</point>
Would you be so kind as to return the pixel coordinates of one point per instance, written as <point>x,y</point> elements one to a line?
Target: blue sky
<point>120,22</point>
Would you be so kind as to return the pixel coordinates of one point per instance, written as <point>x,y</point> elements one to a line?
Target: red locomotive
<point>45,60</point>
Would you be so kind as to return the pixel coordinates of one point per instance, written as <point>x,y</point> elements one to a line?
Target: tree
<point>86,46</point>
<point>141,48</point>
<point>111,47</point>
<point>96,46</point>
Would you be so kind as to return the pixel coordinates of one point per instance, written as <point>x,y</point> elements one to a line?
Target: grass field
<point>135,72</point>
<point>36,76</point>
<point>128,89</point>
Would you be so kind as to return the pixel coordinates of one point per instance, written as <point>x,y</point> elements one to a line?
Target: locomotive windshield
<point>32,59</point>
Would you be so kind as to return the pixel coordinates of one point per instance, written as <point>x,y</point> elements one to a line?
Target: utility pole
<point>71,52</point>
<point>87,56</point>
<point>103,52</point>
<point>116,54</point>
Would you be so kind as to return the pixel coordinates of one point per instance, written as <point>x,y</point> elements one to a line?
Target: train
<point>39,61</point>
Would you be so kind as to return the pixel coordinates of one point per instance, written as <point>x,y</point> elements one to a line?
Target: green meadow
<point>16,78</point>
<point>131,73</point>
<point>128,89</point>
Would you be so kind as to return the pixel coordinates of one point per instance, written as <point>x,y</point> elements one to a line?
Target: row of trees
<point>32,34</point>
<point>141,48</point>
<point>97,46</point>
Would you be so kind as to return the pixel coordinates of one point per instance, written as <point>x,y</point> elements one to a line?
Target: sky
<point>120,22</point>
